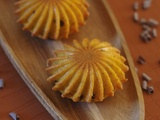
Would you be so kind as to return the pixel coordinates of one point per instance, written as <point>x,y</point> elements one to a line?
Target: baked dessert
<point>52,19</point>
<point>89,71</point>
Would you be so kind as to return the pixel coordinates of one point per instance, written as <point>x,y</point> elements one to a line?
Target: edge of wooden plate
<point>130,63</point>
<point>31,84</point>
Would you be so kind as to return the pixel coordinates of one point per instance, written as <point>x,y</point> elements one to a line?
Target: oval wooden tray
<point>29,54</point>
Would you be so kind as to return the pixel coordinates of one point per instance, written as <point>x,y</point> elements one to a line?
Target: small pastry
<point>89,71</point>
<point>52,19</point>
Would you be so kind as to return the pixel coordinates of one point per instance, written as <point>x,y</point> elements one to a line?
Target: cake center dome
<point>88,55</point>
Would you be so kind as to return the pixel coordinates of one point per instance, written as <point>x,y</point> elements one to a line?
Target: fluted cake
<point>52,19</point>
<point>89,71</point>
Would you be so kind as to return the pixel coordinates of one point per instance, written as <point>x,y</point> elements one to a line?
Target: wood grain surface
<point>29,55</point>
<point>123,12</point>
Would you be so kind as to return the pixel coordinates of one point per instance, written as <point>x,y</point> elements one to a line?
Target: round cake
<point>89,71</point>
<point>52,19</point>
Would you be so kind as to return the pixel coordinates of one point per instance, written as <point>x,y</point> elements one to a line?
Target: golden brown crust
<point>87,71</point>
<point>52,19</point>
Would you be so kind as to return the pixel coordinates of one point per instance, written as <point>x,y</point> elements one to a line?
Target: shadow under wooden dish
<point>29,54</point>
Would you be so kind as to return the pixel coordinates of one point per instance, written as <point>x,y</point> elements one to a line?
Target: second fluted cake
<point>87,71</point>
<point>52,19</point>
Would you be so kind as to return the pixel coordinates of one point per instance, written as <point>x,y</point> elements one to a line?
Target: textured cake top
<point>87,71</point>
<point>52,19</point>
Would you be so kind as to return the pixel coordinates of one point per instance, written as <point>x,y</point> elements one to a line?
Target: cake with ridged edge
<point>52,19</point>
<point>87,71</point>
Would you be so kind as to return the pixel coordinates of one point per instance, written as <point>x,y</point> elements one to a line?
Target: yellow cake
<point>52,19</point>
<point>89,71</point>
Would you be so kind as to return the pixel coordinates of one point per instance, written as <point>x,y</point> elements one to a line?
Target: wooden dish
<point>29,54</point>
